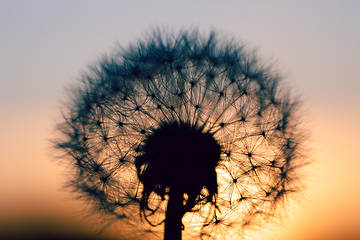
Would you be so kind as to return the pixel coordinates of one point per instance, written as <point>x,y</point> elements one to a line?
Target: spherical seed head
<point>188,113</point>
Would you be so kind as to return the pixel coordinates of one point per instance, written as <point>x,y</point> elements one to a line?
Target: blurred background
<point>44,45</point>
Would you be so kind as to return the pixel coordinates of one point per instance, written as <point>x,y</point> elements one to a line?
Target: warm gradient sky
<point>45,44</point>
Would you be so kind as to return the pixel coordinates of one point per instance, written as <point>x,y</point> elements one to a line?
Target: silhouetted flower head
<point>183,112</point>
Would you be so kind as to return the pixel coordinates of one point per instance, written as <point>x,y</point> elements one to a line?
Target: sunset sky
<point>44,45</point>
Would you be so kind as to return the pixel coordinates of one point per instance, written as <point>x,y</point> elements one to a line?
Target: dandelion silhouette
<point>184,131</point>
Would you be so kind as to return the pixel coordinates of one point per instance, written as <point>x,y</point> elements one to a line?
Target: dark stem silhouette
<point>174,214</point>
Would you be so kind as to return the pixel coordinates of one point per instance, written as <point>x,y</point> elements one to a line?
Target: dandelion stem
<point>174,214</point>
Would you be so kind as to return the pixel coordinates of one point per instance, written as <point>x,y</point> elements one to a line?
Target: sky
<point>44,46</point>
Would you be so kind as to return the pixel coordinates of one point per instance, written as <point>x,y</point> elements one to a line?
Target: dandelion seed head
<point>200,115</point>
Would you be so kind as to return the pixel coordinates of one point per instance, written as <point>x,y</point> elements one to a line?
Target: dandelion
<point>185,131</point>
